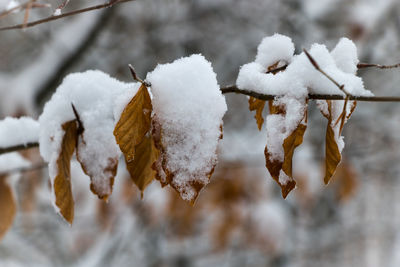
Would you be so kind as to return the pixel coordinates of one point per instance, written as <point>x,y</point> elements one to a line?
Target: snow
<point>300,76</point>
<point>282,46</point>
<point>57,12</point>
<point>298,80</point>
<point>94,95</point>
<point>188,104</point>
<point>15,131</point>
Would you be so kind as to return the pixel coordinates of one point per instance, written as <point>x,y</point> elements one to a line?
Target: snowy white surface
<point>94,95</point>
<point>188,104</point>
<point>57,12</point>
<point>300,77</point>
<point>19,131</point>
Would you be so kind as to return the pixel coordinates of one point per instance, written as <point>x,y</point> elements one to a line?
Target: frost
<point>94,95</point>
<point>15,131</point>
<point>189,106</point>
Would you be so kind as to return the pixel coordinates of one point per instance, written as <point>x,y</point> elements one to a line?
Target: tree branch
<point>68,14</point>
<point>17,147</point>
<point>234,89</point>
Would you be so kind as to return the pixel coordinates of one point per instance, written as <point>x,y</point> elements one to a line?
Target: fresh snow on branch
<point>189,106</point>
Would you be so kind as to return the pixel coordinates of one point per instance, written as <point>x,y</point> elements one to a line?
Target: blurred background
<point>240,218</point>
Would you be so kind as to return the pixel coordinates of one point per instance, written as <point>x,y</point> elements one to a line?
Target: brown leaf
<point>332,154</point>
<point>164,175</point>
<point>109,171</point>
<point>62,182</point>
<point>140,167</point>
<point>258,106</point>
<point>290,143</point>
<point>134,123</point>
<point>7,206</point>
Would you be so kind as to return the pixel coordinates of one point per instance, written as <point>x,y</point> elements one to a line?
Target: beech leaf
<point>333,131</point>
<point>7,206</point>
<point>140,168</point>
<point>258,106</point>
<point>332,154</point>
<point>281,171</point>
<point>62,182</point>
<point>134,123</point>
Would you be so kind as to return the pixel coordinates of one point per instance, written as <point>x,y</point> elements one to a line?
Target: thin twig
<point>17,147</point>
<point>378,66</point>
<point>136,77</point>
<point>80,129</point>
<point>68,14</point>
<point>234,89</point>
<point>316,66</point>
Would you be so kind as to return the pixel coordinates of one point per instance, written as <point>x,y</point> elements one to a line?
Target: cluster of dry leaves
<point>336,120</point>
<point>139,136</point>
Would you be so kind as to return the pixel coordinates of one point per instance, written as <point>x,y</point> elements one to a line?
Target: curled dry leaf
<point>130,133</point>
<point>281,171</point>
<point>337,114</point>
<point>7,206</point>
<point>258,106</point>
<point>140,168</point>
<point>62,182</point>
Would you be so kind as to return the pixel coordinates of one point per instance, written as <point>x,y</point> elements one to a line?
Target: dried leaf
<point>62,182</point>
<point>165,176</point>
<point>258,106</point>
<point>332,154</point>
<point>289,145</point>
<point>333,132</point>
<point>7,206</point>
<point>134,123</point>
<point>140,168</point>
<point>283,170</point>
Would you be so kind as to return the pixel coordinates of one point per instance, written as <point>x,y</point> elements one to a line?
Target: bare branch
<point>378,66</point>
<point>316,66</point>
<point>68,14</point>
<point>234,89</point>
<point>17,147</point>
<point>136,78</point>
